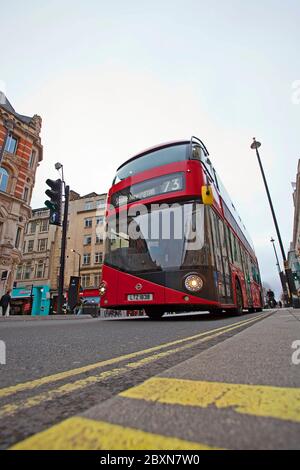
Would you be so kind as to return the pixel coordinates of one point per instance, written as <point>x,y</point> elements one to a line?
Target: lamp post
<point>255,146</point>
<point>79,260</point>
<point>275,251</point>
<point>59,166</point>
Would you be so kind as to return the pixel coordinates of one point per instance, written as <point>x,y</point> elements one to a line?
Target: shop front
<point>33,300</point>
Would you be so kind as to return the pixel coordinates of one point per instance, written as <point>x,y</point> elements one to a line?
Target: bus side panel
<point>255,291</point>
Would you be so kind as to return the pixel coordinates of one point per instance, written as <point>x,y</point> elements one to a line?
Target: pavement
<point>22,318</point>
<point>241,393</point>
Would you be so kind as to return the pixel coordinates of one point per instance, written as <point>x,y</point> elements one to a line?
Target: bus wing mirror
<point>207,195</point>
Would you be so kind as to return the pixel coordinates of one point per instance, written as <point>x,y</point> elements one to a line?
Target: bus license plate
<point>139,297</point>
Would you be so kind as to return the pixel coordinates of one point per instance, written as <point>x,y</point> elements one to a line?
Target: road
<point>60,368</point>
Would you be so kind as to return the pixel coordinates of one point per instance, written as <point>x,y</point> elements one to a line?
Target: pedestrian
<point>5,303</point>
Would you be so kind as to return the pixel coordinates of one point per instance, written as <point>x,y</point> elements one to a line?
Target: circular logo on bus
<point>138,286</point>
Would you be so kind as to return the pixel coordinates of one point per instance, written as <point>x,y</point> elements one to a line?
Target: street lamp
<point>275,251</point>
<point>255,146</point>
<point>59,166</point>
<point>79,259</point>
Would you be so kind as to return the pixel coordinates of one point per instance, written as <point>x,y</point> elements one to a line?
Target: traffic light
<point>55,202</point>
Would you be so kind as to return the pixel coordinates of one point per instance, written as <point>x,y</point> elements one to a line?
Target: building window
<point>100,204</point>
<point>42,244</point>
<point>18,237</point>
<point>86,280</point>
<point>3,179</point>
<point>11,144</point>
<point>19,272</point>
<point>89,205</point>
<point>26,193</point>
<point>39,269</point>
<point>32,159</point>
<point>88,223</point>
<point>98,258</point>
<point>86,259</point>
<point>30,246</point>
<point>27,271</point>
<point>44,225</point>
<point>97,278</point>
<point>99,220</point>
<point>31,227</point>
<point>99,239</point>
<point>87,240</point>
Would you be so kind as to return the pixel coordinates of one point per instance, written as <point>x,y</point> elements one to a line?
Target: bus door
<point>245,263</point>
<point>222,272</point>
<point>225,259</point>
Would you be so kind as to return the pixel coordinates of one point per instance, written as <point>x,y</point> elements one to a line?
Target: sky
<point>113,78</point>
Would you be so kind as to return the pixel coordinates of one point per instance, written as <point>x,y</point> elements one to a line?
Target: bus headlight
<point>193,283</point>
<point>102,288</point>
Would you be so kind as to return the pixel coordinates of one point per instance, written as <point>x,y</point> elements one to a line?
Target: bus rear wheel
<point>154,314</point>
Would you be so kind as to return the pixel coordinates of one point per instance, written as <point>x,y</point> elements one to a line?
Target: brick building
<point>20,153</point>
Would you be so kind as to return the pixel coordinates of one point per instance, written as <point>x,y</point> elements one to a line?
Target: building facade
<point>294,253</point>
<point>21,152</point>
<point>296,225</point>
<point>37,250</point>
<point>85,242</point>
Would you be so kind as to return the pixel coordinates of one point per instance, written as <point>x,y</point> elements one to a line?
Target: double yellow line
<point>130,363</point>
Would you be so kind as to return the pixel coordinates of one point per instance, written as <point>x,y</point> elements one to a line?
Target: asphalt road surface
<point>56,369</point>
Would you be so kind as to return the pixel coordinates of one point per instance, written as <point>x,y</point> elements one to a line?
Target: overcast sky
<point>112,78</point>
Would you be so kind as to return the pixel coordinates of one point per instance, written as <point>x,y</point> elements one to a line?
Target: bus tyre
<point>154,314</point>
<point>239,299</point>
<point>259,309</point>
<point>251,310</point>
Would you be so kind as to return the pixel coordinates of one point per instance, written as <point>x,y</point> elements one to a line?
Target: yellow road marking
<point>10,409</point>
<point>4,392</point>
<point>259,400</point>
<point>86,434</point>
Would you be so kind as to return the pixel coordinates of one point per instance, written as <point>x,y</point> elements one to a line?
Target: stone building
<point>294,253</point>
<point>37,250</point>
<point>84,247</point>
<point>296,224</point>
<point>20,154</point>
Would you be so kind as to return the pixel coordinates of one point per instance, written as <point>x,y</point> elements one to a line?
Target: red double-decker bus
<point>174,240</point>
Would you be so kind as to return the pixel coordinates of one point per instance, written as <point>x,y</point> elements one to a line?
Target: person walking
<point>5,303</point>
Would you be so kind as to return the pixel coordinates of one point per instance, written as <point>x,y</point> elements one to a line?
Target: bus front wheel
<point>154,314</point>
